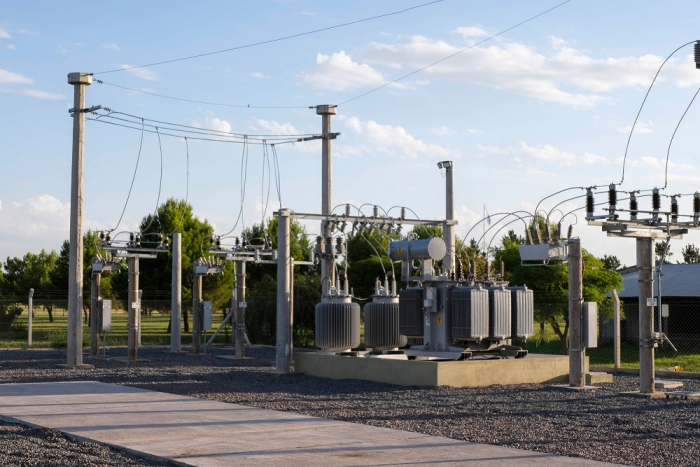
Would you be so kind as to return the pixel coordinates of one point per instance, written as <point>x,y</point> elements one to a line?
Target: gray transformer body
<point>500,314</point>
<point>337,325</point>
<point>382,324</point>
<point>523,312</point>
<point>411,317</point>
<point>470,313</point>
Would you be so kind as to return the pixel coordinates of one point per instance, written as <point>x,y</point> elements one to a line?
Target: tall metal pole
<point>240,309</point>
<point>30,317</point>
<point>133,304</point>
<point>284,319</point>
<point>95,283</point>
<point>448,233</point>
<point>616,330</point>
<point>176,295</point>
<point>645,267</point>
<point>75,263</point>
<point>577,356</point>
<point>326,111</point>
<point>197,314</point>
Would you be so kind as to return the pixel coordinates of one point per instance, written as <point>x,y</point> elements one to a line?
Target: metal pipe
<point>284,321</point>
<point>176,296</point>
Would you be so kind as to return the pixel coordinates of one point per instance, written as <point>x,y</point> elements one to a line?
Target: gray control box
<point>104,308</point>
<point>589,333</point>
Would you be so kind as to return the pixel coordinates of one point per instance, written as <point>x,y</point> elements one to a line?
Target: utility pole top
<point>80,78</point>
<point>326,109</point>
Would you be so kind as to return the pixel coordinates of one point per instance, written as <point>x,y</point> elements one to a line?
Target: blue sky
<point>543,107</point>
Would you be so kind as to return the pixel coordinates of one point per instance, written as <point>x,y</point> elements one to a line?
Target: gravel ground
<point>598,424</point>
<point>49,448</point>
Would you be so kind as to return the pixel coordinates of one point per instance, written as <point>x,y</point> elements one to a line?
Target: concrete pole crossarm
<point>284,322</point>
<point>577,357</point>
<point>75,263</point>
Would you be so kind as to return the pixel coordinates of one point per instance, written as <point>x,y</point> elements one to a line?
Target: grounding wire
<point>269,41</point>
<point>668,152</point>
<point>133,178</point>
<point>454,54</point>
<point>624,160</point>
<point>160,184</point>
<point>187,190</point>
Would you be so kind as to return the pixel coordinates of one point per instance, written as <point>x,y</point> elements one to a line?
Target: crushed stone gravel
<point>599,425</point>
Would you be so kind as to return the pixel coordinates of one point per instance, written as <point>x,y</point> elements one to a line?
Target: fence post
<point>616,330</point>
<point>30,310</point>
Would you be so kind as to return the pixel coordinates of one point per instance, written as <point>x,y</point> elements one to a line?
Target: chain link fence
<point>50,320</point>
<point>682,326</point>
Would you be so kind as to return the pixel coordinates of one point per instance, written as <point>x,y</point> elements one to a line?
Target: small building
<point>680,290</point>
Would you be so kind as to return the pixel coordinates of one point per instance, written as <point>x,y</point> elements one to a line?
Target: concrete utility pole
<point>645,267</point>
<point>197,314</point>
<point>133,304</point>
<point>284,318</point>
<point>240,309</point>
<point>448,233</point>
<point>75,263</point>
<point>30,311</point>
<point>176,295</point>
<point>95,286</point>
<point>326,111</point>
<point>577,357</point>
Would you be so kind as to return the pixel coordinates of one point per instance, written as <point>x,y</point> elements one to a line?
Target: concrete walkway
<point>199,432</point>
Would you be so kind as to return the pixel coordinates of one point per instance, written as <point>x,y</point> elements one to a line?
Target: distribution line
<point>269,41</point>
<point>454,54</point>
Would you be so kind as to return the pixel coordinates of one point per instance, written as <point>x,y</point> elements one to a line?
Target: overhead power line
<point>269,41</point>
<point>454,54</point>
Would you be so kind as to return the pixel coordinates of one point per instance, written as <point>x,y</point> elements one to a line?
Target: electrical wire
<point>624,160</point>
<point>187,191</point>
<point>454,54</point>
<point>244,160</point>
<point>269,41</point>
<point>278,181</point>
<point>668,152</point>
<point>209,130</point>
<point>160,184</point>
<point>133,178</point>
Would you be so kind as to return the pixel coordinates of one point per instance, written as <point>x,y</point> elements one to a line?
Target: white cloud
<point>214,123</point>
<point>276,128</point>
<point>655,163</point>
<point>10,77</point>
<point>338,72</point>
<point>444,130</point>
<point>589,158</point>
<point>538,173</point>
<point>36,94</point>
<point>4,34</point>
<point>640,128</point>
<point>257,74</point>
<point>41,216</point>
<point>562,75</point>
<point>390,140</point>
<point>112,46</point>
<point>547,153</point>
<point>143,73</point>
<point>470,32</point>
<point>11,47</point>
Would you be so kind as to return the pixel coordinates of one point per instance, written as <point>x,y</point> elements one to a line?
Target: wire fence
<point>50,322</point>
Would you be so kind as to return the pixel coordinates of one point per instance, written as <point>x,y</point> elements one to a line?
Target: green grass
<point>47,334</point>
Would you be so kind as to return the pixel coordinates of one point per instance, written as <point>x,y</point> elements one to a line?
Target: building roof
<point>677,280</point>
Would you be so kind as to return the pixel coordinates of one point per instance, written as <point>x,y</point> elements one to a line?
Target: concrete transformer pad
<point>535,368</point>
<point>200,432</point>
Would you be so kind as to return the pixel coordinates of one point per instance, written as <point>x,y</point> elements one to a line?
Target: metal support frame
<point>95,289</point>
<point>176,296</point>
<point>30,318</point>
<point>240,306</point>
<point>197,314</point>
<point>577,354</point>
<point>284,319</point>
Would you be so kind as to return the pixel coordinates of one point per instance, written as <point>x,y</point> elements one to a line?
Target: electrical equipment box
<point>206,316</point>
<point>589,333</point>
<point>664,310</point>
<point>104,308</point>
<point>543,254</point>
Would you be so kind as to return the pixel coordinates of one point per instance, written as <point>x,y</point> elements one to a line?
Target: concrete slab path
<point>200,432</point>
